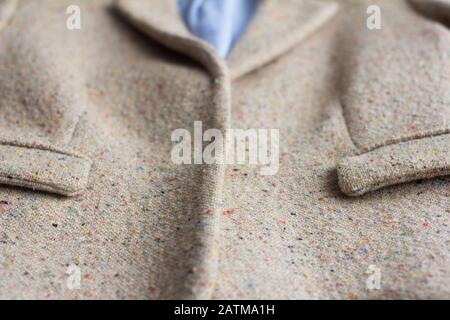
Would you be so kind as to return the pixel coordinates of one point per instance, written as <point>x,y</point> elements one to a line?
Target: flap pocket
<point>395,99</point>
<point>43,169</point>
<point>393,164</point>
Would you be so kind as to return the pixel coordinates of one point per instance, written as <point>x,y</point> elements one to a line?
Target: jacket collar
<point>276,28</point>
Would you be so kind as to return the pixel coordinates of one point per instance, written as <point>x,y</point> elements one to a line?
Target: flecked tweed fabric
<point>86,178</point>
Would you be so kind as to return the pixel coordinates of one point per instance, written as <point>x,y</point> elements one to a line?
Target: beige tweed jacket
<point>93,207</point>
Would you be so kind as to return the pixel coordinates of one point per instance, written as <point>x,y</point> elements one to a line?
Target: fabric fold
<point>265,39</point>
<point>195,278</point>
<point>7,9</point>
<point>394,164</point>
<point>434,9</point>
<point>276,29</point>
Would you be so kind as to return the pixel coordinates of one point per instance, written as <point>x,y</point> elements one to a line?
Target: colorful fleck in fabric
<point>92,207</point>
<point>221,23</point>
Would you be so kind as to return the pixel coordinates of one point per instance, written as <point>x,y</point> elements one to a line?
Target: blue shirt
<point>219,22</point>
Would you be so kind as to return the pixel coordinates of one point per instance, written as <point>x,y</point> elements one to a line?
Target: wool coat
<point>88,183</point>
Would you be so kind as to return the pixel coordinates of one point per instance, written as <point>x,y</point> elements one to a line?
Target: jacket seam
<point>403,139</point>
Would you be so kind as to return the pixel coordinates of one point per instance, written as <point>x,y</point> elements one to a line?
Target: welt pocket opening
<point>43,168</point>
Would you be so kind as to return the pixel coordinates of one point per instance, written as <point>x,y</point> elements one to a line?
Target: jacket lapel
<point>276,28</point>
<point>7,8</point>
